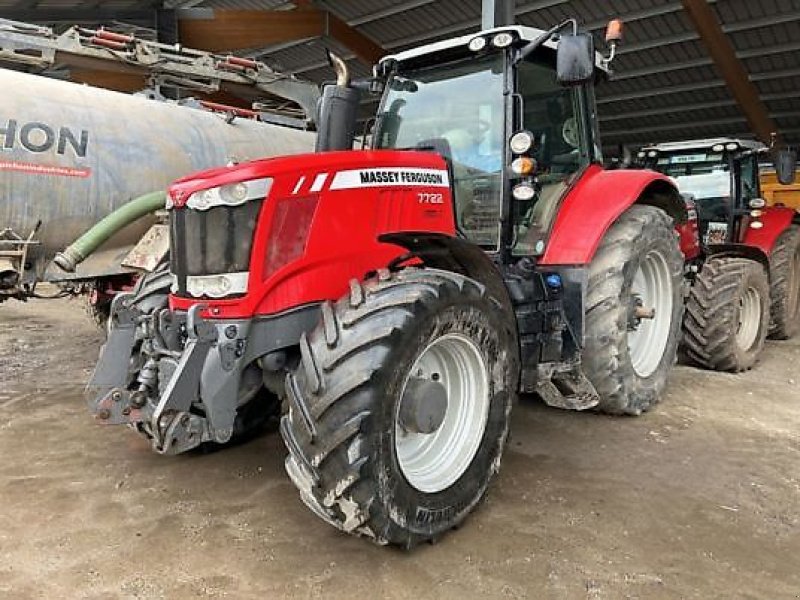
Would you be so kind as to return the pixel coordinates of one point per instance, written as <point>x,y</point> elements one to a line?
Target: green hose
<point>83,247</point>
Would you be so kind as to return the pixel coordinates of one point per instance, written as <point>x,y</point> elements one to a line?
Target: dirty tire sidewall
<point>426,514</point>
<point>606,358</point>
<point>360,486</point>
<point>785,286</point>
<point>713,312</point>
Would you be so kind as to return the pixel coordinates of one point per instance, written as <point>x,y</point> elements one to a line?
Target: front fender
<point>596,201</point>
<point>776,220</point>
<point>747,251</point>
<point>454,254</point>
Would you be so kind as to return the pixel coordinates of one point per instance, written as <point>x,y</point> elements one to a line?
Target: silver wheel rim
<point>435,461</point>
<point>652,284</point>
<point>749,318</point>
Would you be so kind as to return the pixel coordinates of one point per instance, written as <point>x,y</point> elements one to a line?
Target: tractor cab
<point>512,111</point>
<point>722,177</point>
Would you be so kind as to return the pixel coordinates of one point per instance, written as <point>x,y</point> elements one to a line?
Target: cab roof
<point>705,144</point>
<point>526,34</point>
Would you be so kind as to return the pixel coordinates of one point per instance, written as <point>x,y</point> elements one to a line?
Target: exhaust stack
<point>338,110</point>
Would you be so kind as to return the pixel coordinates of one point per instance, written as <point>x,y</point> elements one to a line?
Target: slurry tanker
<point>77,159</point>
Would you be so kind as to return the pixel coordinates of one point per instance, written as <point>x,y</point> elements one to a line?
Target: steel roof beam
<point>704,62</point>
<point>390,11</point>
<point>665,110</point>
<point>736,78</point>
<point>690,124</point>
<point>79,15</point>
<point>680,38</point>
<point>689,87</point>
<point>229,30</point>
<point>614,133</point>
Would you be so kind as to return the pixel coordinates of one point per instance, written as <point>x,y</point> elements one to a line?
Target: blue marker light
<point>553,281</point>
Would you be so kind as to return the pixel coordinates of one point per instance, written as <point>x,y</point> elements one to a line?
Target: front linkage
<point>181,379</point>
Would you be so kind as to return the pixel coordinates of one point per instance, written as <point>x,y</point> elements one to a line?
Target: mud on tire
<point>716,317</point>
<point>785,288</point>
<point>344,397</point>
<point>640,232</point>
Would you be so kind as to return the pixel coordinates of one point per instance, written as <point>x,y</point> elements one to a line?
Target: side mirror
<point>575,59</point>
<point>785,162</point>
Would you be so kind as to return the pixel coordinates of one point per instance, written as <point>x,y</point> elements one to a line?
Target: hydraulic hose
<point>85,245</point>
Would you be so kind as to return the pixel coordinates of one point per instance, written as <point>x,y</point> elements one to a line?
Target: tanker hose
<point>85,245</point>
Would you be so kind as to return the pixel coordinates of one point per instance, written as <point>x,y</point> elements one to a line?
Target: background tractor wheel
<point>785,291</point>
<point>399,410</point>
<point>634,309</point>
<point>727,314</point>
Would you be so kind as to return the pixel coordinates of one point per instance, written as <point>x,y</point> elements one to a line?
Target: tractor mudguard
<point>775,219</point>
<point>596,201</point>
<point>454,254</point>
<point>739,251</point>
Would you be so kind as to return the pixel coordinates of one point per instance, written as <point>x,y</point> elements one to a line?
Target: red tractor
<point>746,282</point>
<point>402,296</point>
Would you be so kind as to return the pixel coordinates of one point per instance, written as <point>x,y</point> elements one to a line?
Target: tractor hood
<point>297,174</point>
<point>264,236</point>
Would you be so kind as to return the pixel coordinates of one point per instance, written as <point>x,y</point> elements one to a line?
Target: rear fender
<point>596,201</point>
<point>776,220</point>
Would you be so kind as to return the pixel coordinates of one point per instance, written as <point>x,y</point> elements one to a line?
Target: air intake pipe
<point>337,110</point>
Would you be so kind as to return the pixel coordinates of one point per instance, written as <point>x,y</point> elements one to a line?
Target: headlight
<point>757,203</point>
<point>477,44</point>
<point>216,286</point>
<point>502,40</point>
<point>521,142</point>
<point>523,192</point>
<point>232,194</point>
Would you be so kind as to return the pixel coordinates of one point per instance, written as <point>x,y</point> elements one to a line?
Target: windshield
<point>695,162</point>
<point>707,177</point>
<point>456,109</point>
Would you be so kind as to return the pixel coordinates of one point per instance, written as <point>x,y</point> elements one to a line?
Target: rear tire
<point>348,454</point>
<point>785,290</point>
<point>628,360</point>
<point>727,314</point>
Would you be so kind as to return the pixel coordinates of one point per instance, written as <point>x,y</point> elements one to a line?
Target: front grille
<point>211,242</point>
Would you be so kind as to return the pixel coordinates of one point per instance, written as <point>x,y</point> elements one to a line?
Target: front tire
<point>353,456</point>
<point>634,309</point>
<point>785,289</point>
<point>727,314</point>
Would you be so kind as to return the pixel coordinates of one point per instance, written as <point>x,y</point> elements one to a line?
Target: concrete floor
<point>698,499</point>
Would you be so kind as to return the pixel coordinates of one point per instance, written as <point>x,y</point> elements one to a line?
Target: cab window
<point>553,114</point>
